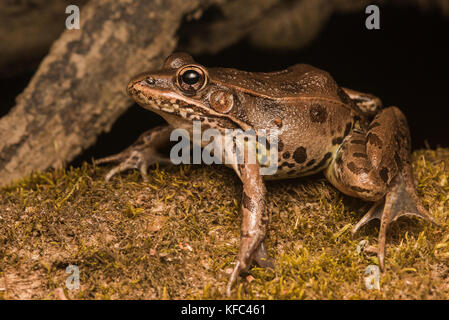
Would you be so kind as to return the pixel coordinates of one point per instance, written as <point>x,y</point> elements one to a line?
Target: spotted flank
<point>291,167</point>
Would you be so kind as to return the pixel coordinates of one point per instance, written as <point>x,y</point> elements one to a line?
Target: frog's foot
<point>260,256</point>
<point>133,159</point>
<point>399,201</point>
<point>141,154</point>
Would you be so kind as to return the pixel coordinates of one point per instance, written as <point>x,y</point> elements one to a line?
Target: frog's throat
<point>181,106</point>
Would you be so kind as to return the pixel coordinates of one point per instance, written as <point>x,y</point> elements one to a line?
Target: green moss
<point>177,235</point>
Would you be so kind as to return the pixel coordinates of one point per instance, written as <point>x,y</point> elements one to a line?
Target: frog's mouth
<point>169,104</point>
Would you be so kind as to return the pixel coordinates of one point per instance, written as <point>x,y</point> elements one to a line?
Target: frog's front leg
<point>142,153</point>
<point>254,222</point>
<point>376,166</point>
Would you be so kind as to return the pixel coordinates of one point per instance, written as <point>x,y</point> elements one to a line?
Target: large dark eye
<point>191,79</point>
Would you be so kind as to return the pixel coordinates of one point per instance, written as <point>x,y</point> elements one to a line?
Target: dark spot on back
<point>339,159</point>
<point>357,170</point>
<point>321,163</point>
<point>318,113</point>
<point>374,140</point>
<point>338,140</point>
<point>286,164</point>
<point>358,189</point>
<point>280,145</point>
<point>324,160</point>
<point>311,162</point>
<point>359,155</point>
<point>286,155</point>
<point>300,155</point>
<point>347,129</point>
<point>357,142</point>
<point>384,174</point>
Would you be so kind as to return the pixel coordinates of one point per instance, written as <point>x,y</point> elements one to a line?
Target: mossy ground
<point>177,237</point>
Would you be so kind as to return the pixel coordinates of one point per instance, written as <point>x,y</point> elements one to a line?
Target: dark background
<point>405,63</point>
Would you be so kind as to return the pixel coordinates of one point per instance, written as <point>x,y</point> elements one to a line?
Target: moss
<point>177,235</point>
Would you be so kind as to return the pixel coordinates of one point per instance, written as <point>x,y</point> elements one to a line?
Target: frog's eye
<point>191,79</point>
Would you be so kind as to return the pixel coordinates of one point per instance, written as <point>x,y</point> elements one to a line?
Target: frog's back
<point>300,80</point>
<point>304,104</point>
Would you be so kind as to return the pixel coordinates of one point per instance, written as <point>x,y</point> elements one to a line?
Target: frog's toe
<point>241,266</point>
<point>374,213</point>
<point>132,159</point>
<point>398,202</point>
<point>238,268</point>
<point>141,154</point>
<point>260,256</point>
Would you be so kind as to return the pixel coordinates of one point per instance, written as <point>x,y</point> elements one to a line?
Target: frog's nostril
<point>150,81</point>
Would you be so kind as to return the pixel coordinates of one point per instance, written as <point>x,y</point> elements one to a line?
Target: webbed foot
<point>141,154</point>
<point>260,257</point>
<point>399,201</point>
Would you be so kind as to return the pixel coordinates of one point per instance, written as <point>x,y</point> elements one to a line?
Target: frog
<point>362,148</point>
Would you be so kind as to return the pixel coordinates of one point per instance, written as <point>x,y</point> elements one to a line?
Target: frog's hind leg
<point>367,103</point>
<point>397,202</point>
<point>141,154</point>
<point>376,166</point>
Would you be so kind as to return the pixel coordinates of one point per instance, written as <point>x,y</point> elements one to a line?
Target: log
<point>79,89</point>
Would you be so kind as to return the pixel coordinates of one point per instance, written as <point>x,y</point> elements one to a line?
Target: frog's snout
<point>130,88</point>
<point>135,83</point>
<point>140,82</point>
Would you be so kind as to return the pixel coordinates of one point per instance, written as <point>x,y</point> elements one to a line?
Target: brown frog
<point>362,148</point>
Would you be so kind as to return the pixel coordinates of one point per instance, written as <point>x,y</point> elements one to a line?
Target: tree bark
<point>79,89</point>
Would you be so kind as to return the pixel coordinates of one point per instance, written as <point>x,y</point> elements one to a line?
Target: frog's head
<point>184,89</point>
